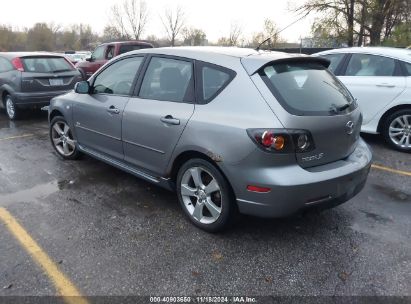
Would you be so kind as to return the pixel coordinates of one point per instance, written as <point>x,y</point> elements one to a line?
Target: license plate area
<point>56,82</point>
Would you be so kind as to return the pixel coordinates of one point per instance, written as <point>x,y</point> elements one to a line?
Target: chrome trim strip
<point>144,147</point>
<point>250,202</point>
<point>321,200</point>
<point>99,133</point>
<point>120,164</point>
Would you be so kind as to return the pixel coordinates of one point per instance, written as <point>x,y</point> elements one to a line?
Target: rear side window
<point>46,64</point>
<point>307,88</point>
<point>407,68</point>
<point>370,65</point>
<point>168,79</point>
<point>5,65</point>
<point>212,79</point>
<point>335,60</point>
<point>129,48</point>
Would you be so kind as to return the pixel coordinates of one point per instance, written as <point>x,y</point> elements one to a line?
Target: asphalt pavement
<point>111,233</point>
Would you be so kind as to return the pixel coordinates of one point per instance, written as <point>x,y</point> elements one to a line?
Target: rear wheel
<point>205,195</point>
<point>397,130</point>
<point>11,109</point>
<point>62,139</point>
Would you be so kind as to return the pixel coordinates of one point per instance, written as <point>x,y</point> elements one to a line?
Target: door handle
<point>385,85</point>
<point>170,120</point>
<point>113,110</point>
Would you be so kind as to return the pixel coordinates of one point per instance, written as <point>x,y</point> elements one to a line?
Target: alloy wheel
<point>202,195</point>
<point>400,131</point>
<point>11,111</point>
<point>62,138</point>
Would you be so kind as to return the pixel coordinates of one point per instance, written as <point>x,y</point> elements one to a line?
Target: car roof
<point>251,59</point>
<point>398,53</point>
<point>11,55</point>
<point>132,42</point>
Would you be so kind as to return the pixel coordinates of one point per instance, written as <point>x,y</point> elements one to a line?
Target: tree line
<point>360,22</point>
<point>337,23</point>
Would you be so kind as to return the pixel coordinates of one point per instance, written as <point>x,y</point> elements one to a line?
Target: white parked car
<point>380,79</point>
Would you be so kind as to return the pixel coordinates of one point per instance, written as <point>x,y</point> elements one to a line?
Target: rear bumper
<point>294,189</point>
<point>33,99</point>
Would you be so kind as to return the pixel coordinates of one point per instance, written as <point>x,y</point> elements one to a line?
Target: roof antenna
<point>259,46</point>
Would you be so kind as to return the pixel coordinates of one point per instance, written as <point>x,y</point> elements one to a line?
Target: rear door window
<point>335,60</point>
<point>370,65</point>
<point>46,64</point>
<point>168,79</point>
<point>307,88</point>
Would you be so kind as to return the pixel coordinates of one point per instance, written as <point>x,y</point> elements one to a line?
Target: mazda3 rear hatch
<point>318,112</point>
<point>47,73</point>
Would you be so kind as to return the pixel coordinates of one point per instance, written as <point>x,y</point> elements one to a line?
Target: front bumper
<point>33,99</point>
<point>294,189</point>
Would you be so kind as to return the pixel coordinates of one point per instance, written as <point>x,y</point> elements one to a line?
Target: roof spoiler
<point>253,64</point>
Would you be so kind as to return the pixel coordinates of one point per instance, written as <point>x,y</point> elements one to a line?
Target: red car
<point>106,52</point>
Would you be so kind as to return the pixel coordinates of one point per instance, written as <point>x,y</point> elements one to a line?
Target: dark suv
<point>30,80</point>
<point>106,52</point>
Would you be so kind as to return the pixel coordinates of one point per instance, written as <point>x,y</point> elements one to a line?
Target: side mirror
<point>89,59</point>
<point>82,87</point>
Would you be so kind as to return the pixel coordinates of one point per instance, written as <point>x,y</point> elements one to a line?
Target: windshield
<point>46,64</point>
<point>307,88</point>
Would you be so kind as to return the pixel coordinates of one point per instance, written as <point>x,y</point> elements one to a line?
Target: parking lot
<point>110,233</point>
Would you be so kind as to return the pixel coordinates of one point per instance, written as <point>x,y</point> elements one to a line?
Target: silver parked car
<point>262,133</point>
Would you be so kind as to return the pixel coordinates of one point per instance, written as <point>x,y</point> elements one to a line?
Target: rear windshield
<point>46,64</point>
<point>307,88</point>
<point>129,48</point>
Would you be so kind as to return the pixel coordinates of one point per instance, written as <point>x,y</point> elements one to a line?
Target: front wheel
<point>397,130</point>
<point>62,139</point>
<point>205,195</point>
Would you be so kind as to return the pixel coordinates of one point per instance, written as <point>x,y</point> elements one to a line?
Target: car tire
<point>62,139</point>
<point>396,130</point>
<point>205,195</point>
<point>12,111</point>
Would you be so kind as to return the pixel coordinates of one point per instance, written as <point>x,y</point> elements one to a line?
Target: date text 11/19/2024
<point>203,299</point>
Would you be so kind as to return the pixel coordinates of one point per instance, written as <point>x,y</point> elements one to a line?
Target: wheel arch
<point>389,112</point>
<point>190,154</point>
<point>55,113</point>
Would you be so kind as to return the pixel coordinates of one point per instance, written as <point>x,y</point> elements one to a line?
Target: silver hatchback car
<point>230,130</point>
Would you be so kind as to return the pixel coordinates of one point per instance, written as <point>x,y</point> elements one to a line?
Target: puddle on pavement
<point>376,217</point>
<point>395,194</point>
<point>30,195</point>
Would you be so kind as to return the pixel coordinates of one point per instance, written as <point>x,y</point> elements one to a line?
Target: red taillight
<point>258,189</point>
<point>282,140</point>
<point>18,64</point>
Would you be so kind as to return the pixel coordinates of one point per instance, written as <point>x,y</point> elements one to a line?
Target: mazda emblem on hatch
<point>349,127</point>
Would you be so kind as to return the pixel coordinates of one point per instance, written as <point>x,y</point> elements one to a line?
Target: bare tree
<point>129,19</point>
<point>173,22</point>
<point>137,16</point>
<point>117,21</point>
<point>235,32</point>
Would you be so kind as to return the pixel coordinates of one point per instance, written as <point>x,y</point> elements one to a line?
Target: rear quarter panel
<point>218,129</point>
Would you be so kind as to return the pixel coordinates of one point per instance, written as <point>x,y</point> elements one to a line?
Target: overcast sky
<point>213,16</point>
